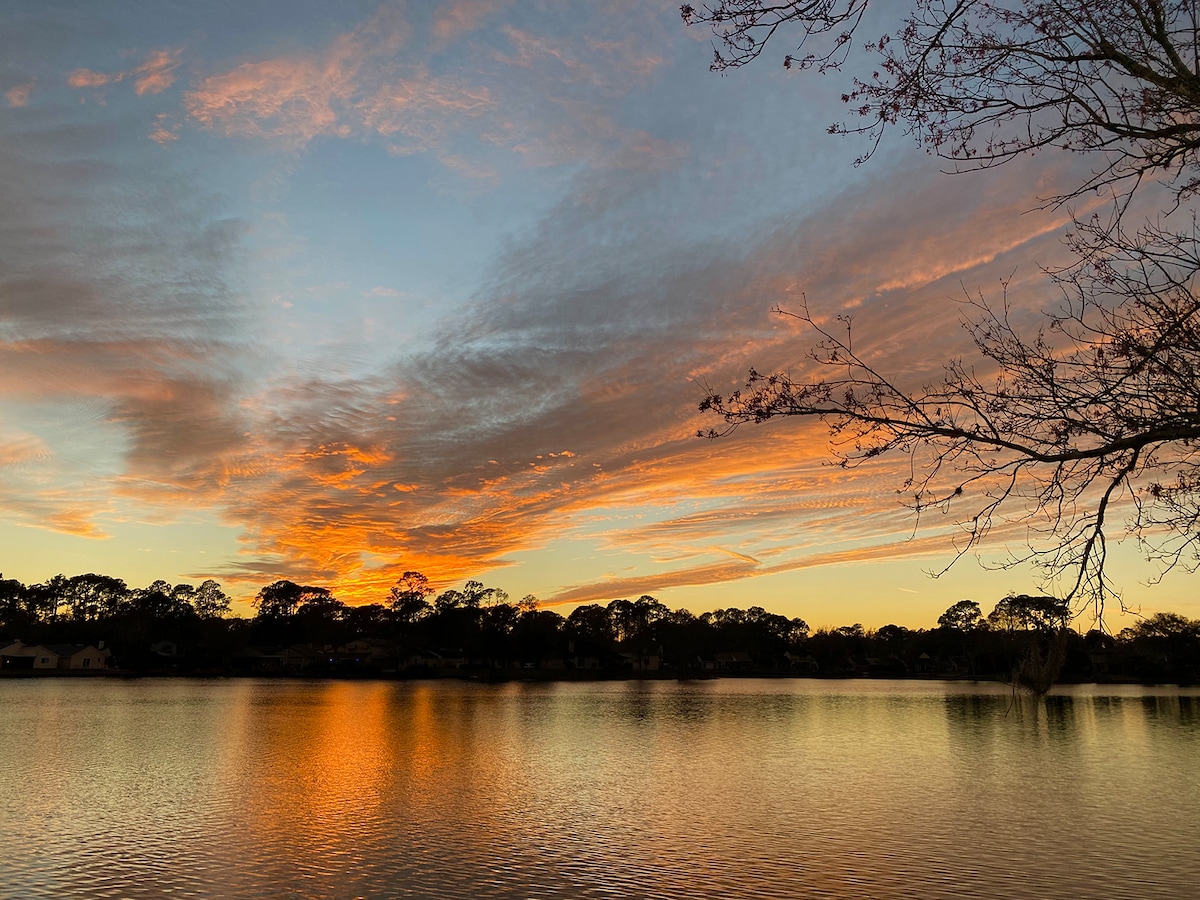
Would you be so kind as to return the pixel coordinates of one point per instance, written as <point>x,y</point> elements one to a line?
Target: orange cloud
<point>298,98</point>
<point>288,98</point>
<point>152,76</point>
<point>359,86</point>
<point>85,78</point>
<point>462,16</point>
<point>592,338</point>
<point>22,449</point>
<point>157,73</point>
<point>162,132</point>
<point>465,472</point>
<point>19,95</point>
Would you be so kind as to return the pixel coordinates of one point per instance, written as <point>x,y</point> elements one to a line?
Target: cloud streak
<point>116,331</point>
<point>170,343</point>
<point>452,461</point>
<point>155,74</point>
<point>382,81</point>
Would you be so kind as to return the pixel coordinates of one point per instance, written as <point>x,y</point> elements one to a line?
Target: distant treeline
<point>301,629</point>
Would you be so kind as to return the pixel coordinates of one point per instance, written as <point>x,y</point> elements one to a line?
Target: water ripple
<point>258,789</point>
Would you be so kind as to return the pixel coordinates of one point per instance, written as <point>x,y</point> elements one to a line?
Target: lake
<point>725,788</point>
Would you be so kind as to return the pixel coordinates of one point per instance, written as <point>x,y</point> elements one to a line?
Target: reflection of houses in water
<point>19,656</point>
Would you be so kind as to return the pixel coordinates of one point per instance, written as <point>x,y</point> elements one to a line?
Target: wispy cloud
<point>18,95</point>
<point>555,408</point>
<point>380,82</point>
<point>163,131</point>
<point>85,78</point>
<point>116,332</point>
<point>454,19</point>
<point>155,74</point>
<point>452,461</point>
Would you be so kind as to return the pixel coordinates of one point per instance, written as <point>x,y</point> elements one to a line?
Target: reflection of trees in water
<point>1176,709</point>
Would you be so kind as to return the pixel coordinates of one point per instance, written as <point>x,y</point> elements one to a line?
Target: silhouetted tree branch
<point>1099,409</point>
<point>979,83</point>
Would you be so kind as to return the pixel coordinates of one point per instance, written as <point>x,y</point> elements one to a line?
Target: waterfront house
<point>45,657</point>
<point>734,661</point>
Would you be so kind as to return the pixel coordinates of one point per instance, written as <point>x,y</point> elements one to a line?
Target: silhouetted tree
<point>368,619</point>
<point>592,623</point>
<point>981,83</point>
<point>410,584</point>
<point>15,612</point>
<point>160,603</point>
<point>1021,612</point>
<point>964,619</point>
<point>48,600</point>
<point>1163,625</point>
<point>281,599</point>
<point>278,607</point>
<point>407,599</point>
<point>209,601</point>
<point>536,634</point>
<point>1039,627</point>
<point>965,615</point>
<point>1166,645</point>
<point>321,618</point>
<point>529,603</point>
<point>1100,405</point>
<point>91,597</point>
<point>449,599</point>
<point>475,595</point>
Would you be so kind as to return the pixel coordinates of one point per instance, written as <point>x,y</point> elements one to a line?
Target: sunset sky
<point>328,291</point>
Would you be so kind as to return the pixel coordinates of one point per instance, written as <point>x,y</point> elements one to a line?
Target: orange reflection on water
<point>320,761</point>
<point>339,768</point>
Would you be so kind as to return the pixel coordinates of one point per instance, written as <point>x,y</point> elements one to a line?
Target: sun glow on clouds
<point>18,95</point>
<point>757,504</point>
<point>540,431</point>
<point>153,76</point>
<point>316,492</point>
<point>376,82</point>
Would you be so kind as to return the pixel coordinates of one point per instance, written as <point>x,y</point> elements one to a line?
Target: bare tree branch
<point>1099,407</point>
<point>979,83</point>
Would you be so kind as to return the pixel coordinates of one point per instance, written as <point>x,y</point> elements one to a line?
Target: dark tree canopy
<point>964,615</point>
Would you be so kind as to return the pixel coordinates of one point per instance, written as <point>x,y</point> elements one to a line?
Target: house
<point>19,656</point>
<point>46,657</point>
<point>734,661</point>
<point>800,663</point>
<point>369,649</point>
<point>80,656</point>
<point>641,662</point>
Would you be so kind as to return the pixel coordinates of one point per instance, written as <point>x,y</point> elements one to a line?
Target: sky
<point>331,291</point>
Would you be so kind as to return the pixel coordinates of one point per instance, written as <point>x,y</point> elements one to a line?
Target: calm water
<point>771,789</point>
